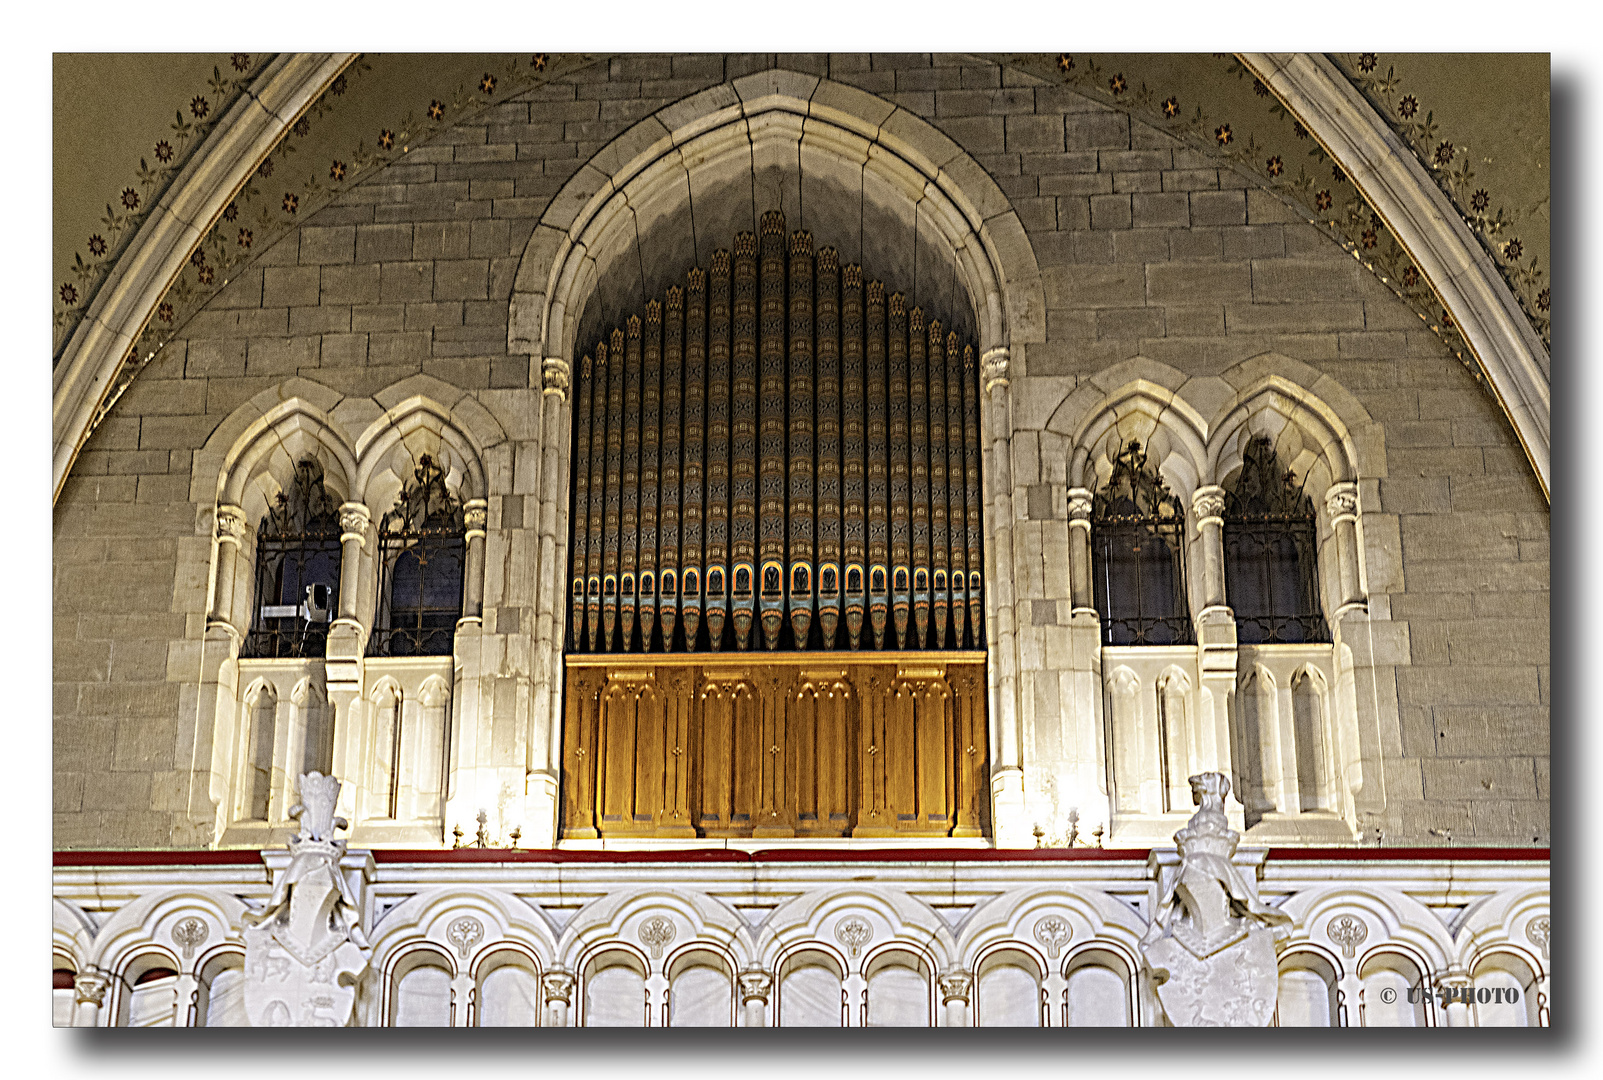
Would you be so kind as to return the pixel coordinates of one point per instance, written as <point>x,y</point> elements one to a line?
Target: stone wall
<point>1145,249</point>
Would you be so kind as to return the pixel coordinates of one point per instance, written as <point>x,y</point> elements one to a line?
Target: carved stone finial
<point>190,934</point>
<point>556,375</point>
<point>1342,501</point>
<point>1080,507</point>
<point>229,525</point>
<point>853,933</point>
<point>475,515</point>
<point>305,949</point>
<point>89,987</point>
<point>464,933</point>
<point>1208,505</point>
<point>1210,951</point>
<point>1054,932</point>
<point>1349,932</point>
<point>656,933</point>
<point>993,368</point>
<point>354,517</point>
<point>558,986</point>
<point>955,986</point>
<point>755,985</point>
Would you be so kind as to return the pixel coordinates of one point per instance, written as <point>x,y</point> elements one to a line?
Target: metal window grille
<point>422,552</point>
<point>1137,556</point>
<point>297,570</point>
<point>1271,554</point>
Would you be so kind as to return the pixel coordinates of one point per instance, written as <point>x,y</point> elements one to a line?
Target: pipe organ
<point>778,455</point>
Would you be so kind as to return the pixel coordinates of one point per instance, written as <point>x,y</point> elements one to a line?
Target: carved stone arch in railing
<point>1520,918</point>
<point>856,920</point>
<point>168,928</point>
<point>502,921</point>
<point>72,933</point>
<point>1388,917</point>
<point>1048,921</point>
<point>654,923</point>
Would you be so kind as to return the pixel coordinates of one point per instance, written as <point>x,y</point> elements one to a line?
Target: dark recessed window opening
<point>1271,553</point>
<point>422,552</point>
<point>1137,556</point>
<point>297,569</point>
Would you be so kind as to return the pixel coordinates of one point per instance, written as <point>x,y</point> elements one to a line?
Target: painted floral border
<point>1333,206</point>
<point>1493,225</point>
<point>140,195</point>
<point>266,209</point>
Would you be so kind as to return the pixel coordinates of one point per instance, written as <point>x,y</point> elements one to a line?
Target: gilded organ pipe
<point>779,454</point>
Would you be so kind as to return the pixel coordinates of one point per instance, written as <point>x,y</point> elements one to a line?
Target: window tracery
<point>1137,551</point>
<point>297,569</point>
<point>1271,553</point>
<point>422,556</point>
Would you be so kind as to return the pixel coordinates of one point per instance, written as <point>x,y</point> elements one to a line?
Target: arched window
<point>1387,979</point>
<point>1271,553</point>
<point>422,993</point>
<point>422,552</point>
<point>297,569</point>
<point>810,991</point>
<point>222,992</point>
<point>1009,992</point>
<point>1307,992</point>
<point>615,991</point>
<point>898,991</point>
<point>1137,554</point>
<point>63,991</point>
<point>701,992</point>
<point>1098,991</point>
<point>152,996</point>
<point>508,992</point>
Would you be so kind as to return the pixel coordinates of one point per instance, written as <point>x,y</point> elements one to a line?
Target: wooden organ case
<point>776,625</point>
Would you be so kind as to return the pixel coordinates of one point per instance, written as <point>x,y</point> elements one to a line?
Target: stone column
<point>955,986</point>
<point>755,986</point>
<point>548,517</point>
<point>1011,826</point>
<point>1460,985</point>
<point>475,514</point>
<point>1216,640</point>
<point>1342,502</point>
<point>354,518</point>
<point>1081,589</point>
<point>229,530</point>
<point>558,987</point>
<point>1207,508</point>
<point>89,991</point>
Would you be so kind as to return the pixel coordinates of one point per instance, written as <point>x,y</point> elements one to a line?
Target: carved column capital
<point>993,368</point>
<point>555,376</point>
<point>1080,508</point>
<point>955,986</point>
<point>229,525</point>
<point>755,985</point>
<point>558,986</point>
<point>1208,505</point>
<point>89,987</point>
<point>354,517</point>
<point>475,514</point>
<point>1342,502</point>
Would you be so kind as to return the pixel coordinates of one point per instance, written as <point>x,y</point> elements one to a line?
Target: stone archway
<point>776,131</point>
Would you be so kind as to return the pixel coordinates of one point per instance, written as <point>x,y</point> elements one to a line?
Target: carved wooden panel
<point>814,746</point>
